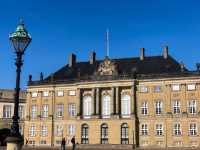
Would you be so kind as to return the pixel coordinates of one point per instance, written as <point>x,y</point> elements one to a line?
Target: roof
<point>115,69</point>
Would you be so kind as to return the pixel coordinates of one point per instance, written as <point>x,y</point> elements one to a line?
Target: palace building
<point>146,101</point>
<point>7,109</point>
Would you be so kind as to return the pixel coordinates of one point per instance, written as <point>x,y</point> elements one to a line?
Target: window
<point>104,134</point>
<point>157,88</point>
<point>177,129</point>
<point>192,106</point>
<point>124,134</point>
<point>72,110</point>
<point>43,142</point>
<point>45,93</point>
<point>60,93</point>
<point>34,111</point>
<point>176,107</point>
<point>191,87</point>
<point>84,134</point>
<point>32,142</point>
<point>126,104</point>
<point>71,129</point>
<point>32,130</point>
<point>193,129</point>
<point>34,94</point>
<point>7,111</point>
<point>45,109</point>
<point>21,111</point>
<point>106,106</point>
<point>72,93</point>
<point>59,130</point>
<point>44,130</point>
<point>144,108</point>
<point>158,107</point>
<point>21,131</point>
<point>176,87</point>
<point>159,129</point>
<point>59,110</point>
<point>87,106</point>
<point>143,89</point>
<point>144,129</point>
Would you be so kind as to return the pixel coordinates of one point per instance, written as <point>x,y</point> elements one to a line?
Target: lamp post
<point>20,40</point>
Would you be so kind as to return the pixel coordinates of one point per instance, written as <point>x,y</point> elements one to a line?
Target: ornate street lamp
<point>20,40</point>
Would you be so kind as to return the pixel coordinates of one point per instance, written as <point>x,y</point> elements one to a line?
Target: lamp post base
<point>14,142</point>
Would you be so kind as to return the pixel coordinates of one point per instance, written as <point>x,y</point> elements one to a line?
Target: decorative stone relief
<point>107,67</point>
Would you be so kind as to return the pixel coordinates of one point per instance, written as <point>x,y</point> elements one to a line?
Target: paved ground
<point>103,148</point>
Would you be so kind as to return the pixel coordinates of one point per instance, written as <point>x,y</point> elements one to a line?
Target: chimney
<point>92,57</point>
<point>141,53</point>
<point>165,52</point>
<point>30,78</point>
<point>72,60</point>
<point>41,76</point>
<point>182,66</point>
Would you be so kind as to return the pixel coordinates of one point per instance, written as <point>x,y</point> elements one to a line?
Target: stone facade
<point>141,109</point>
<point>7,108</point>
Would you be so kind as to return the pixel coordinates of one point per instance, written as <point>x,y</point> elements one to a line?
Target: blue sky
<point>60,27</point>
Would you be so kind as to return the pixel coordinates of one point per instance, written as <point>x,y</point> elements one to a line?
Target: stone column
<point>97,101</point>
<point>114,100</point>
<point>80,103</point>
<point>100,103</point>
<point>118,102</point>
<point>94,101</point>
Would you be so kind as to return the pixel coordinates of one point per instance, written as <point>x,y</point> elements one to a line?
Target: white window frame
<point>32,130</point>
<point>144,108</point>
<point>34,111</point>
<point>44,130</point>
<point>176,87</point>
<point>144,129</point>
<point>87,106</point>
<point>34,94</point>
<point>21,111</point>
<point>192,106</point>
<point>106,109</point>
<point>59,130</point>
<point>45,110</point>
<point>60,93</point>
<point>191,87</point>
<point>72,109</point>
<point>7,110</point>
<point>176,107</point>
<point>59,110</point>
<point>177,129</point>
<point>71,129</point>
<point>143,89</point>
<point>157,88</point>
<point>126,105</point>
<point>159,129</point>
<point>159,106</point>
<point>193,129</point>
<point>72,92</point>
<point>45,93</point>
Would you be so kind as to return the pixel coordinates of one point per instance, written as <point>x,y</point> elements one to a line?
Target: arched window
<point>124,133</point>
<point>125,102</point>
<point>106,106</point>
<point>87,106</point>
<point>84,134</point>
<point>104,134</point>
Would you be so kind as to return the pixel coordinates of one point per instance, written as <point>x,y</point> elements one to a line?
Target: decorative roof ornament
<point>107,67</point>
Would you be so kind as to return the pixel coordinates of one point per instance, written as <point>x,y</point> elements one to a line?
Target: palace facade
<point>7,109</point>
<point>146,101</point>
